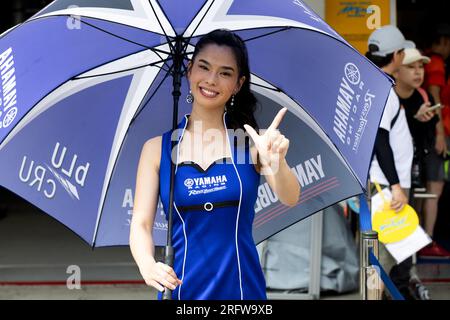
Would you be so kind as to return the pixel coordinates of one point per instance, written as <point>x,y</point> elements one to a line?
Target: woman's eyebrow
<point>208,64</point>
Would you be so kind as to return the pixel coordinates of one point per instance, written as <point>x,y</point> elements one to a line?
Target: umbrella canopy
<point>84,83</point>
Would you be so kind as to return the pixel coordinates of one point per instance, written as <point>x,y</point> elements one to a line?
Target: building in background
<point>414,17</point>
<point>13,12</point>
<point>356,20</point>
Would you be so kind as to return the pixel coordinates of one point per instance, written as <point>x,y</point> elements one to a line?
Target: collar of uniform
<point>183,123</point>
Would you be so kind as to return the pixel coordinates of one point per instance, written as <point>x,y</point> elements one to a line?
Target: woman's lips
<point>208,93</point>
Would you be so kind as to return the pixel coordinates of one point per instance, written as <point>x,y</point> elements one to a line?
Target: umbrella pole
<point>176,93</point>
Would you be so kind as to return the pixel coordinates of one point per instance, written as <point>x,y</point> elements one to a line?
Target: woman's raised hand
<point>272,146</point>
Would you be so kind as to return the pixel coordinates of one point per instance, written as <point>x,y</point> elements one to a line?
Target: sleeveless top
<point>215,254</point>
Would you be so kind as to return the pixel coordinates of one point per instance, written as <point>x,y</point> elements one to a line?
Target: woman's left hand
<point>272,146</point>
<point>423,115</point>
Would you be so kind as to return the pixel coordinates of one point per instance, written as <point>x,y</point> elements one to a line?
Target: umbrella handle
<point>178,57</point>
<point>168,260</point>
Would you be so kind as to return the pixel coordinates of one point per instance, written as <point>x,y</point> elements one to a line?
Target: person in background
<point>437,84</point>
<point>424,126</point>
<point>393,150</point>
<point>436,80</point>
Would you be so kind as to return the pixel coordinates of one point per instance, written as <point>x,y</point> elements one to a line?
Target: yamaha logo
<point>205,185</point>
<point>352,73</point>
<point>9,117</point>
<point>189,183</point>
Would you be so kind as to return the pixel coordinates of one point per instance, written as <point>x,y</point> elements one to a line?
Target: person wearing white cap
<point>392,162</point>
<point>423,125</point>
<point>393,150</point>
<point>409,79</point>
<point>388,40</point>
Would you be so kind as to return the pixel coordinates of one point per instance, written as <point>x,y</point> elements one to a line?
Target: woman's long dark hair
<point>245,102</point>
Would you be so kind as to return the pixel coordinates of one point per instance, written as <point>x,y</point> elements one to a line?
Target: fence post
<point>370,282</point>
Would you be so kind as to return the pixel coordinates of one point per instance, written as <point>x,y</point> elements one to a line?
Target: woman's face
<point>411,74</point>
<point>214,76</point>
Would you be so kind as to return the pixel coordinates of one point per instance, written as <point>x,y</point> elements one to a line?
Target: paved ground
<point>38,255</point>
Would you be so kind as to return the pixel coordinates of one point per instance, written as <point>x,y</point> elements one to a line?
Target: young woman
<point>425,128</point>
<point>215,255</point>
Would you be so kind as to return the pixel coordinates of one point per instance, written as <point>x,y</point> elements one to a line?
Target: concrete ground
<point>38,256</point>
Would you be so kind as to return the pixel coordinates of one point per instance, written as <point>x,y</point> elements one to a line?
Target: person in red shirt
<point>436,81</point>
<point>438,85</point>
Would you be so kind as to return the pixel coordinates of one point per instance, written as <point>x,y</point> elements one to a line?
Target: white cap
<point>413,55</point>
<point>388,39</point>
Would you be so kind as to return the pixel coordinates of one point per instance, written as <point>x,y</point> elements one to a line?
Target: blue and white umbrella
<point>84,83</point>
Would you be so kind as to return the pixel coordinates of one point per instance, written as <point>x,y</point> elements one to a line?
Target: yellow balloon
<point>395,226</point>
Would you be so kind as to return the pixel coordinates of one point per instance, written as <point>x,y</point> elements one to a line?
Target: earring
<point>190,97</point>
<point>232,101</point>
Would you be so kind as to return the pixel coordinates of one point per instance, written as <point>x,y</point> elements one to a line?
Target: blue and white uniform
<point>215,254</point>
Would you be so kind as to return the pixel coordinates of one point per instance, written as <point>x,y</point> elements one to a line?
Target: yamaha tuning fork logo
<point>189,183</point>
<point>65,169</point>
<point>352,74</point>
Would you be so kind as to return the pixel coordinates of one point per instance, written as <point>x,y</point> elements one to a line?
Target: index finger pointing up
<point>251,132</point>
<point>277,120</point>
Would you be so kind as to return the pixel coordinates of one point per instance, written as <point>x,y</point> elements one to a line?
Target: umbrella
<point>86,83</point>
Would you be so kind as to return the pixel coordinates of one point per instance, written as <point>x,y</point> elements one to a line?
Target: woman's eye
<point>226,74</point>
<point>203,67</point>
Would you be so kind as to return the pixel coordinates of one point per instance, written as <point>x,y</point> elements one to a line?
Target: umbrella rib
<point>153,64</point>
<point>246,40</point>
<point>151,97</point>
<point>267,34</point>
<point>169,41</point>
<point>188,39</point>
<point>276,89</point>
<point>167,18</point>
<point>156,51</point>
<point>185,69</point>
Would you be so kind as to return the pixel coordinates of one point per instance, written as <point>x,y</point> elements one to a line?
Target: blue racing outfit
<point>215,254</point>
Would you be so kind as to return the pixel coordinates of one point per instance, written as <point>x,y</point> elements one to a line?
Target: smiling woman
<point>214,201</point>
